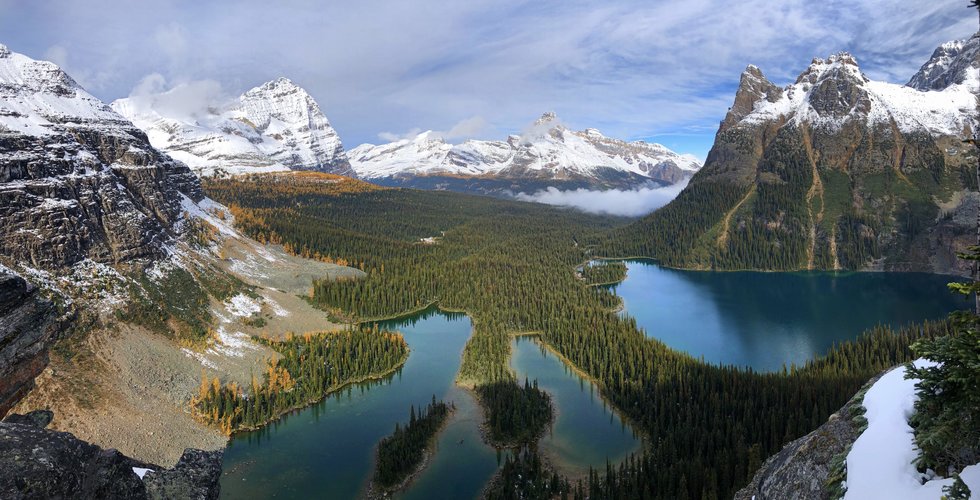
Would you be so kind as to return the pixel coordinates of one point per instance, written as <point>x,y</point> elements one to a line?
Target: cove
<point>586,431</point>
<point>763,320</point>
<point>327,450</point>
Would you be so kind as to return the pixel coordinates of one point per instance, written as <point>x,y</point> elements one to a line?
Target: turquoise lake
<point>763,320</point>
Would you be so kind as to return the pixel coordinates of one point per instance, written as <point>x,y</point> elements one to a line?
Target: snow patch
<point>879,464</point>
<point>231,344</point>
<point>277,309</point>
<point>242,305</point>
<point>141,471</point>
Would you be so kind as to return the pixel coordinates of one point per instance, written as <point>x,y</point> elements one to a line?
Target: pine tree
<point>947,413</point>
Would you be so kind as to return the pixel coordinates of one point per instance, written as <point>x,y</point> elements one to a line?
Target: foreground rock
<point>28,324</point>
<point>803,468</point>
<point>38,463</point>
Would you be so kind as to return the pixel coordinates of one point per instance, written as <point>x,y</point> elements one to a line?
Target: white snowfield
<point>945,112</point>
<point>273,127</point>
<point>547,146</point>
<point>879,464</point>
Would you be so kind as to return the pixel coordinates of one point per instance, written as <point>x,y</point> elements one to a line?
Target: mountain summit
<point>275,126</point>
<point>546,154</point>
<point>833,171</point>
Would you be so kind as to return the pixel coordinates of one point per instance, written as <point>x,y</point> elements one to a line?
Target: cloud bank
<point>632,203</point>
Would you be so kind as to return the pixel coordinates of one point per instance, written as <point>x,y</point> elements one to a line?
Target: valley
<point>204,294</point>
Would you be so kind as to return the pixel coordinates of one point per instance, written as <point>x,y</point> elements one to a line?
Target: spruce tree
<point>947,413</point>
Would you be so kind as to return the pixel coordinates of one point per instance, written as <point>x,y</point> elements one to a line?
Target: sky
<point>662,71</point>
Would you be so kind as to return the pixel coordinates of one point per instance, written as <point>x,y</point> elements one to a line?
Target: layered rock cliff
<point>78,181</point>
<point>28,325</point>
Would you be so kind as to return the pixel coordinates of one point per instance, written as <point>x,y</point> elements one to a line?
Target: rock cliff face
<point>801,470</point>
<point>38,463</point>
<point>28,324</point>
<point>547,154</point>
<point>77,180</point>
<point>275,126</point>
<point>836,171</point>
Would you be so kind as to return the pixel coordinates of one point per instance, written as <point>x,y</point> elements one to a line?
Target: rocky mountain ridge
<point>275,126</point>
<point>834,171</point>
<point>547,152</point>
<point>77,180</point>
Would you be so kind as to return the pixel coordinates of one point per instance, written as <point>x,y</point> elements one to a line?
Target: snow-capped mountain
<point>547,152</point>
<point>275,126</point>
<point>837,171</point>
<point>951,63</point>
<point>834,91</point>
<point>77,180</point>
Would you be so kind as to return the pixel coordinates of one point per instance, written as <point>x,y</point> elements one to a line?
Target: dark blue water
<point>764,320</point>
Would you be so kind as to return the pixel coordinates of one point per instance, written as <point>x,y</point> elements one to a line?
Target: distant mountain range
<point>547,153</point>
<point>279,126</point>
<point>833,171</point>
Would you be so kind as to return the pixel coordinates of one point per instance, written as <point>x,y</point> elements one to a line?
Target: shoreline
<point>374,491</point>
<point>330,391</point>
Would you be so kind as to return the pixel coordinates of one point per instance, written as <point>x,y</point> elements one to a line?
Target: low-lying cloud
<point>629,203</point>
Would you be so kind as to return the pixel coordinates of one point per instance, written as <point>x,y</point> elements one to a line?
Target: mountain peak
<point>4,51</point>
<point>546,117</point>
<point>948,65</point>
<point>841,65</point>
<point>753,86</point>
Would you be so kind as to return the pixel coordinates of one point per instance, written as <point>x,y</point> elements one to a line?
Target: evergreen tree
<point>947,413</point>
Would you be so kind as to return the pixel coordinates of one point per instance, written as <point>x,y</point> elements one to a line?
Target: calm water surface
<point>763,320</point>
<point>587,431</point>
<point>327,450</point>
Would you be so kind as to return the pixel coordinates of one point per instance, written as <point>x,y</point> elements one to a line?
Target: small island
<point>403,454</point>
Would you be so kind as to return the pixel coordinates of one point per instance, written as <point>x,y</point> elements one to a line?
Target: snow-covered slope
<point>275,126</point>
<point>547,150</point>
<point>77,180</point>
<point>818,98</point>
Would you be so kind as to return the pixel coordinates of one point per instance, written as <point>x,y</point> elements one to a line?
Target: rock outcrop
<point>38,463</point>
<point>28,325</point>
<point>801,470</point>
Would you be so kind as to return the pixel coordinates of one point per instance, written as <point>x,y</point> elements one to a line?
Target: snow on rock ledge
<point>879,464</point>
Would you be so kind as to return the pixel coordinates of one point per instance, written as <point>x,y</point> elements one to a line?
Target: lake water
<point>754,319</point>
<point>586,431</point>
<point>763,320</point>
<point>327,450</point>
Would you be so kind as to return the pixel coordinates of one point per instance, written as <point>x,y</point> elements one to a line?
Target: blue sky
<point>664,71</point>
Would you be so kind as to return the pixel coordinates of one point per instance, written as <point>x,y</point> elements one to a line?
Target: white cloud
<point>184,100</point>
<point>469,128</point>
<point>632,203</point>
